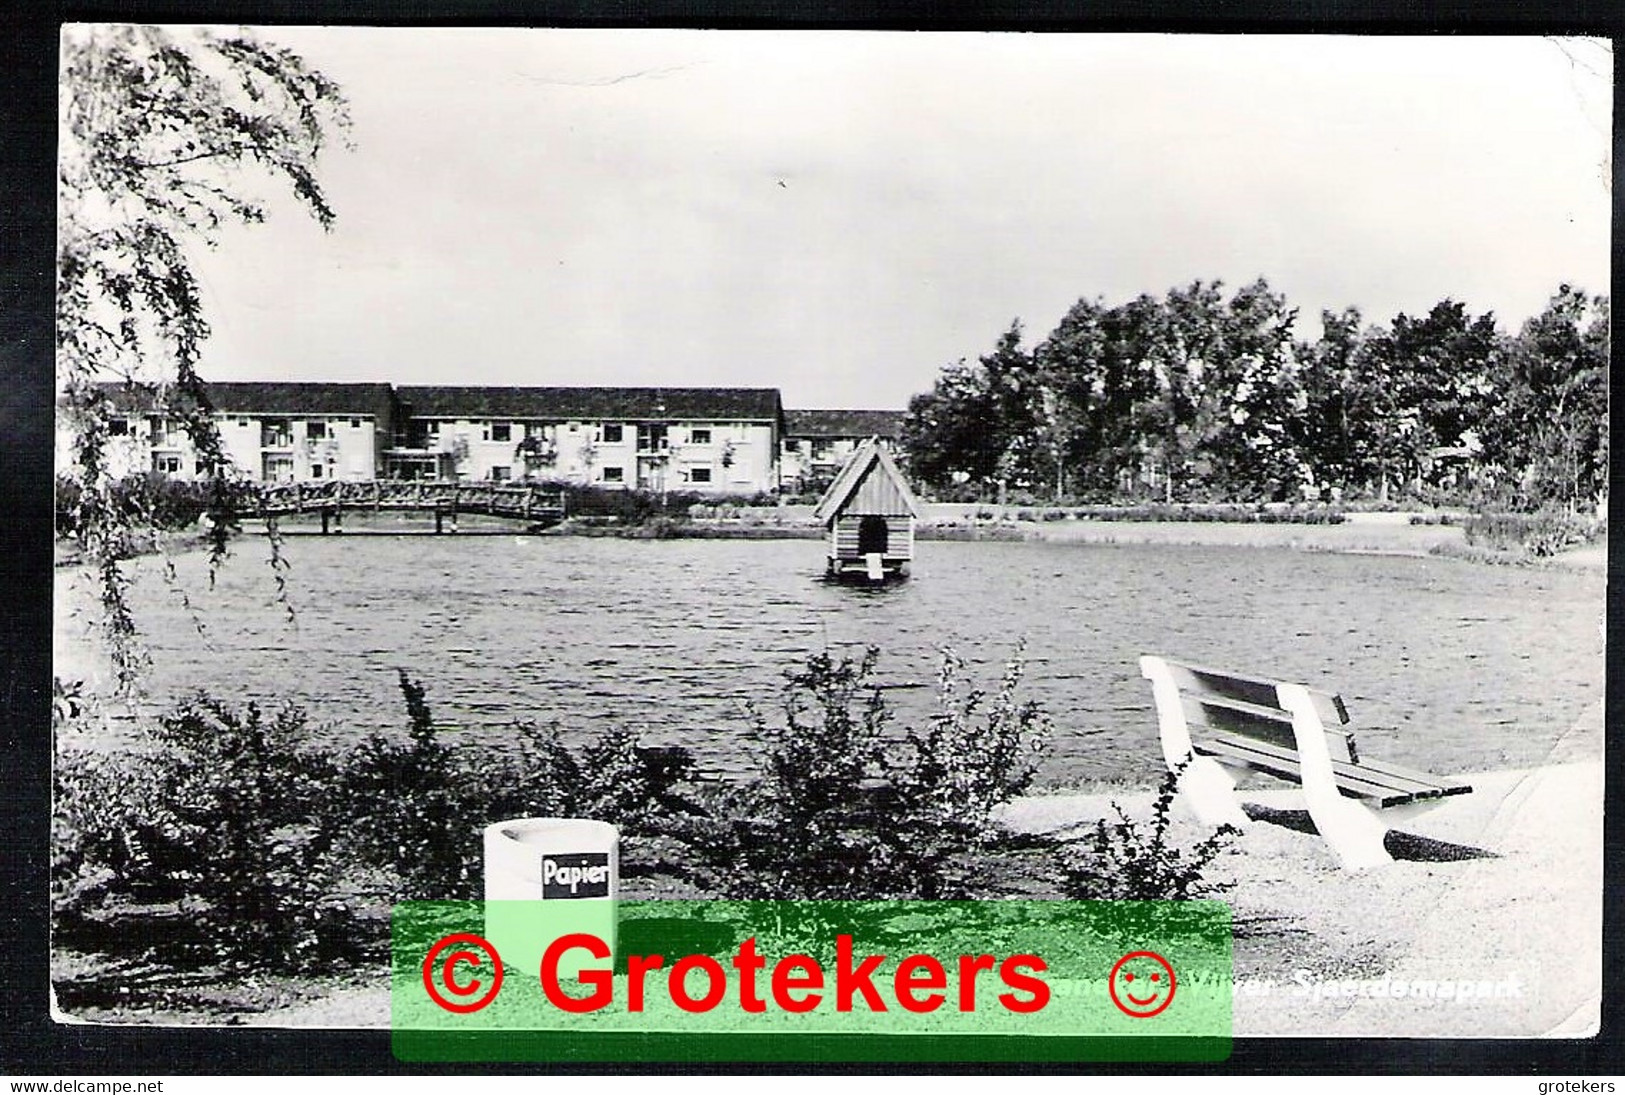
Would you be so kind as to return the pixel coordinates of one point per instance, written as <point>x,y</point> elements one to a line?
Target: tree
<point>1258,391</point>
<point>1552,431</point>
<point>159,132</point>
<point>1072,363</point>
<point>1425,385</point>
<point>1097,364</point>
<point>946,431</point>
<point>1333,430</point>
<point>1020,428</point>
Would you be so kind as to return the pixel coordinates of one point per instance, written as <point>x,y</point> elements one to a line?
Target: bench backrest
<point>1224,702</point>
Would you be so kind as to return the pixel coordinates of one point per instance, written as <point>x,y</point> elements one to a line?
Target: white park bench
<point>1212,720</point>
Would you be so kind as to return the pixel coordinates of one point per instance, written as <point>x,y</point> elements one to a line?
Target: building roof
<point>843,423</point>
<point>259,398</point>
<point>587,404</point>
<point>872,480</point>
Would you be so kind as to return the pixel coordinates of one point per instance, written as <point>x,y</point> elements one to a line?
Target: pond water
<point>1445,665</point>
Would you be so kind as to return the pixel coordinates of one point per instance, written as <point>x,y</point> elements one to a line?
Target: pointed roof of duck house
<point>871,479</point>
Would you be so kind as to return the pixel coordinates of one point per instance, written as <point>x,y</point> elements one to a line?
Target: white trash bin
<point>546,877</point>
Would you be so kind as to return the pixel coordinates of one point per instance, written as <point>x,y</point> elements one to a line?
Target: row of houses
<point>708,440</point>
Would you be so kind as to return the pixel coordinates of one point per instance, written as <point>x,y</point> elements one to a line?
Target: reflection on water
<point>1446,666</point>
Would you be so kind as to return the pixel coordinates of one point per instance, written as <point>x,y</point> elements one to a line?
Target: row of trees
<point>1203,396</point>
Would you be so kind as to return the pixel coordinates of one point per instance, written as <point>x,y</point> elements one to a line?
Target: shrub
<point>228,816</point>
<point>636,507</point>
<point>1541,534</point>
<point>1214,512</point>
<point>248,801</point>
<point>1127,860</point>
<point>972,759</point>
<point>844,809</point>
<point>407,807</point>
<point>614,779</point>
<point>416,809</point>
<point>224,815</point>
<point>806,829</point>
<point>144,500</point>
<point>110,831</point>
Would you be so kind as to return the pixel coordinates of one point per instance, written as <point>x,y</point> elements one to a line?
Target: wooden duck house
<point>869,513</point>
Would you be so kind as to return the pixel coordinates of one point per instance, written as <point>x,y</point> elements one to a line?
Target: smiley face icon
<point>1141,984</point>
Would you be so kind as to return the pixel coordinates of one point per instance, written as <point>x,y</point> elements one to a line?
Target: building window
<point>242,423</point>
<point>355,423</point>
<point>315,430</point>
<point>700,436</point>
<point>699,475</point>
<point>652,437</point>
<point>501,431</point>
<point>167,463</point>
<point>118,427</point>
<point>161,431</point>
<point>821,449</point>
<point>613,475</point>
<point>315,471</point>
<point>276,433</point>
<point>612,434</point>
<point>500,472</point>
<point>792,444</point>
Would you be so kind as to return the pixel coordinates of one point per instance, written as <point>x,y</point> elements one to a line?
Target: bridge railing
<point>501,499</point>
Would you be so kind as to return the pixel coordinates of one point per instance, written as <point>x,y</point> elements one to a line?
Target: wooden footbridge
<point>446,499</point>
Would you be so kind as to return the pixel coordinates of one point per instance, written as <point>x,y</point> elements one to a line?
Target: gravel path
<point>1318,948</point>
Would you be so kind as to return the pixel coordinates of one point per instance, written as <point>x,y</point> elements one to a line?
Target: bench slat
<point>1250,689</point>
<point>1270,724</point>
<point>1272,762</point>
<point>1386,788</point>
<point>1398,772</point>
<point>1408,783</point>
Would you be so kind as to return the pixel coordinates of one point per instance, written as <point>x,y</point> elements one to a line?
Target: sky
<point>841,214</point>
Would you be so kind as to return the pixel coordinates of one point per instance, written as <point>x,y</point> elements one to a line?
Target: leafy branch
<point>159,134</point>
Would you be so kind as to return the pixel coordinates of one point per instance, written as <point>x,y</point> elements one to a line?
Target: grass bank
<point>1365,534</point>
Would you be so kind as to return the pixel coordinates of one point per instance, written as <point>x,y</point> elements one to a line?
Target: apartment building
<point>817,443</point>
<point>708,440</point>
<point>275,432</point>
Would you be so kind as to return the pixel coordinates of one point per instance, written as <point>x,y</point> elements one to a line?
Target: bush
<point>1214,512</point>
<point>614,779</point>
<point>1537,534</point>
<point>224,816</point>
<point>250,802</point>
<point>637,507</point>
<point>1126,860</point>
<point>147,500</point>
<point>973,759</point>
<point>417,808</point>
<point>844,809</point>
<point>407,807</point>
<point>109,825</point>
<point>229,817</point>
